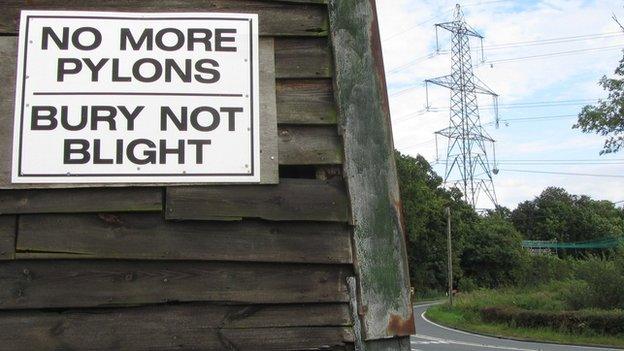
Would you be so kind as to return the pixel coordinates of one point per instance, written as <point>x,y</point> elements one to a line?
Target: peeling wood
<point>380,253</point>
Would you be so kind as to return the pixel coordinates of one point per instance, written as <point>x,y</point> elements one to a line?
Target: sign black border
<point>251,104</point>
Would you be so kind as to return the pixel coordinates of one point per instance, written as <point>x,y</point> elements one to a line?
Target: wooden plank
<point>303,58</point>
<point>149,236</point>
<point>8,230</point>
<point>309,145</point>
<point>80,200</point>
<point>394,344</point>
<point>8,57</point>
<point>292,199</point>
<point>318,338</point>
<point>187,326</point>
<point>269,169</point>
<point>379,238</point>
<point>275,19</point>
<point>308,101</point>
<point>303,1</point>
<point>100,283</point>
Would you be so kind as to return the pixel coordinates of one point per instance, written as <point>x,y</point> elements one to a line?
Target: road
<point>431,336</point>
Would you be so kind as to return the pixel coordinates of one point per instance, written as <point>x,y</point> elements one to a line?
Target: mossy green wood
<point>370,171</point>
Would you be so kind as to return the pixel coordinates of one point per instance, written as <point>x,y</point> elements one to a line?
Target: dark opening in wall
<point>297,171</point>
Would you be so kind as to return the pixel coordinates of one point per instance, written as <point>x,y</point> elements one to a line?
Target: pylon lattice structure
<point>467,165</point>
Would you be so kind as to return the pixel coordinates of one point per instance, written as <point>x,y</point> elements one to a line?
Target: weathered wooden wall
<point>240,267</point>
<point>223,267</point>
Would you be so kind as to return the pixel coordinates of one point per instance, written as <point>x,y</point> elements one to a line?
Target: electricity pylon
<point>467,165</point>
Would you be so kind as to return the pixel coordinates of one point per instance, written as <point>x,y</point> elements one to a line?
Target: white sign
<point>107,97</point>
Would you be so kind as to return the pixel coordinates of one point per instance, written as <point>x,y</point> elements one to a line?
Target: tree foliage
<point>477,240</point>
<point>424,201</point>
<point>607,116</point>
<point>557,215</point>
<point>487,248</point>
<point>493,252</point>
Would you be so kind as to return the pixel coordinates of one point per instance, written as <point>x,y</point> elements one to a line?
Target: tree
<point>607,116</point>
<point>424,200</point>
<point>556,214</point>
<point>493,253</point>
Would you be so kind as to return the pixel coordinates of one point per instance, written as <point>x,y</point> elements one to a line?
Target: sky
<point>543,58</point>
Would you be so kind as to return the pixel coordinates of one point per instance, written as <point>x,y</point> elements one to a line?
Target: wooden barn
<point>312,257</point>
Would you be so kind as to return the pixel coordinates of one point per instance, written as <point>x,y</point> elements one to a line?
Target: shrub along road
<point>431,337</point>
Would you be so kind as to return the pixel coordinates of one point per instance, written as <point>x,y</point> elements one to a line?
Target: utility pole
<point>467,162</point>
<point>450,254</point>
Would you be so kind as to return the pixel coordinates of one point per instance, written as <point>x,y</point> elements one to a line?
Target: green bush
<point>544,269</point>
<point>587,321</point>
<point>599,284</point>
<point>466,284</point>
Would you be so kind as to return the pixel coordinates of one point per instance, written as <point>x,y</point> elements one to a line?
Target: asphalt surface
<point>431,336</point>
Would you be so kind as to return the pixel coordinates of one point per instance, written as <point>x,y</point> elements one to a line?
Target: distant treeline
<point>487,248</point>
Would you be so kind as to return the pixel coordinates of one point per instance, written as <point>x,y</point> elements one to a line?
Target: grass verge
<point>468,319</point>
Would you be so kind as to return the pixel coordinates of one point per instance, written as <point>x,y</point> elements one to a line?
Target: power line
<point>392,36</point>
<point>397,34</point>
<point>479,3</point>
<point>533,119</point>
<point>405,117</point>
<point>565,173</point>
<point>401,92</point>
<point>556,162</point>
<point>560,53</point>
<point>548,102</point>
<point>512,45</point>
<point>523,105</point>
<point>554,40</point>
<point>418,144</point>
<point>568,159</point>
<point>410,63</point>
